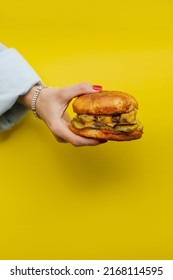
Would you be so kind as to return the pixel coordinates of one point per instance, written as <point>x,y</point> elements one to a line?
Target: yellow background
<point>114,201</point>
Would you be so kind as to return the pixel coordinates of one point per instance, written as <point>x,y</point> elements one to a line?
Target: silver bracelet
<point>34,100</point>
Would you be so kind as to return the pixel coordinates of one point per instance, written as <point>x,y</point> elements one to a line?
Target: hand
<point>51,107</point>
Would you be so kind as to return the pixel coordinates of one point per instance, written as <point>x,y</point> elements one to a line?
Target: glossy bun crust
<point>101,134</point>
<point>105,102</point>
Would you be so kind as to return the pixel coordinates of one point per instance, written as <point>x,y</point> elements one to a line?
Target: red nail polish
<point>95,87</point>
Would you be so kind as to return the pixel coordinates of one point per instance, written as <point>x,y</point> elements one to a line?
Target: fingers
<point>60,140</point>
<point>61,131</point>
<point>67,136</point>
<point>66,117</point>
<point>54,103</point>
<point>82,88</point>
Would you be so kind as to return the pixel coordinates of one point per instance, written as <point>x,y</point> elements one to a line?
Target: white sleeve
<point>16,78</point>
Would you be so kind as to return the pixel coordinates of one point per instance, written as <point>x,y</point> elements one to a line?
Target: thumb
<point>82,88</point>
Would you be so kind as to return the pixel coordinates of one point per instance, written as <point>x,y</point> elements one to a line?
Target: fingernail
<point>96,87</point>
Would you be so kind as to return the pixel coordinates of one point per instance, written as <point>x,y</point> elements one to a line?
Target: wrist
<point>33,99</point>
<point>26,99</point>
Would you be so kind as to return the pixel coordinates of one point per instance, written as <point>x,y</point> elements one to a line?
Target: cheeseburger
<point>109,115</point>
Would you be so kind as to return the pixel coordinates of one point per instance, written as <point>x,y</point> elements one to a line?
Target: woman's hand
<point>51,107</point>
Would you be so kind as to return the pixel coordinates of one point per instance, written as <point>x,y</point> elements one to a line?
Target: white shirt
<point>16,78</point>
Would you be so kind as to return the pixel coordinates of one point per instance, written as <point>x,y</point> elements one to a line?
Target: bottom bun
<point>106,135</point>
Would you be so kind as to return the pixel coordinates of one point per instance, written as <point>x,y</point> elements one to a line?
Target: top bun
<point>104,102</point>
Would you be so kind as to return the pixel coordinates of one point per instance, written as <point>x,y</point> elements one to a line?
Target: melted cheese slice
<point>115,123</point>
